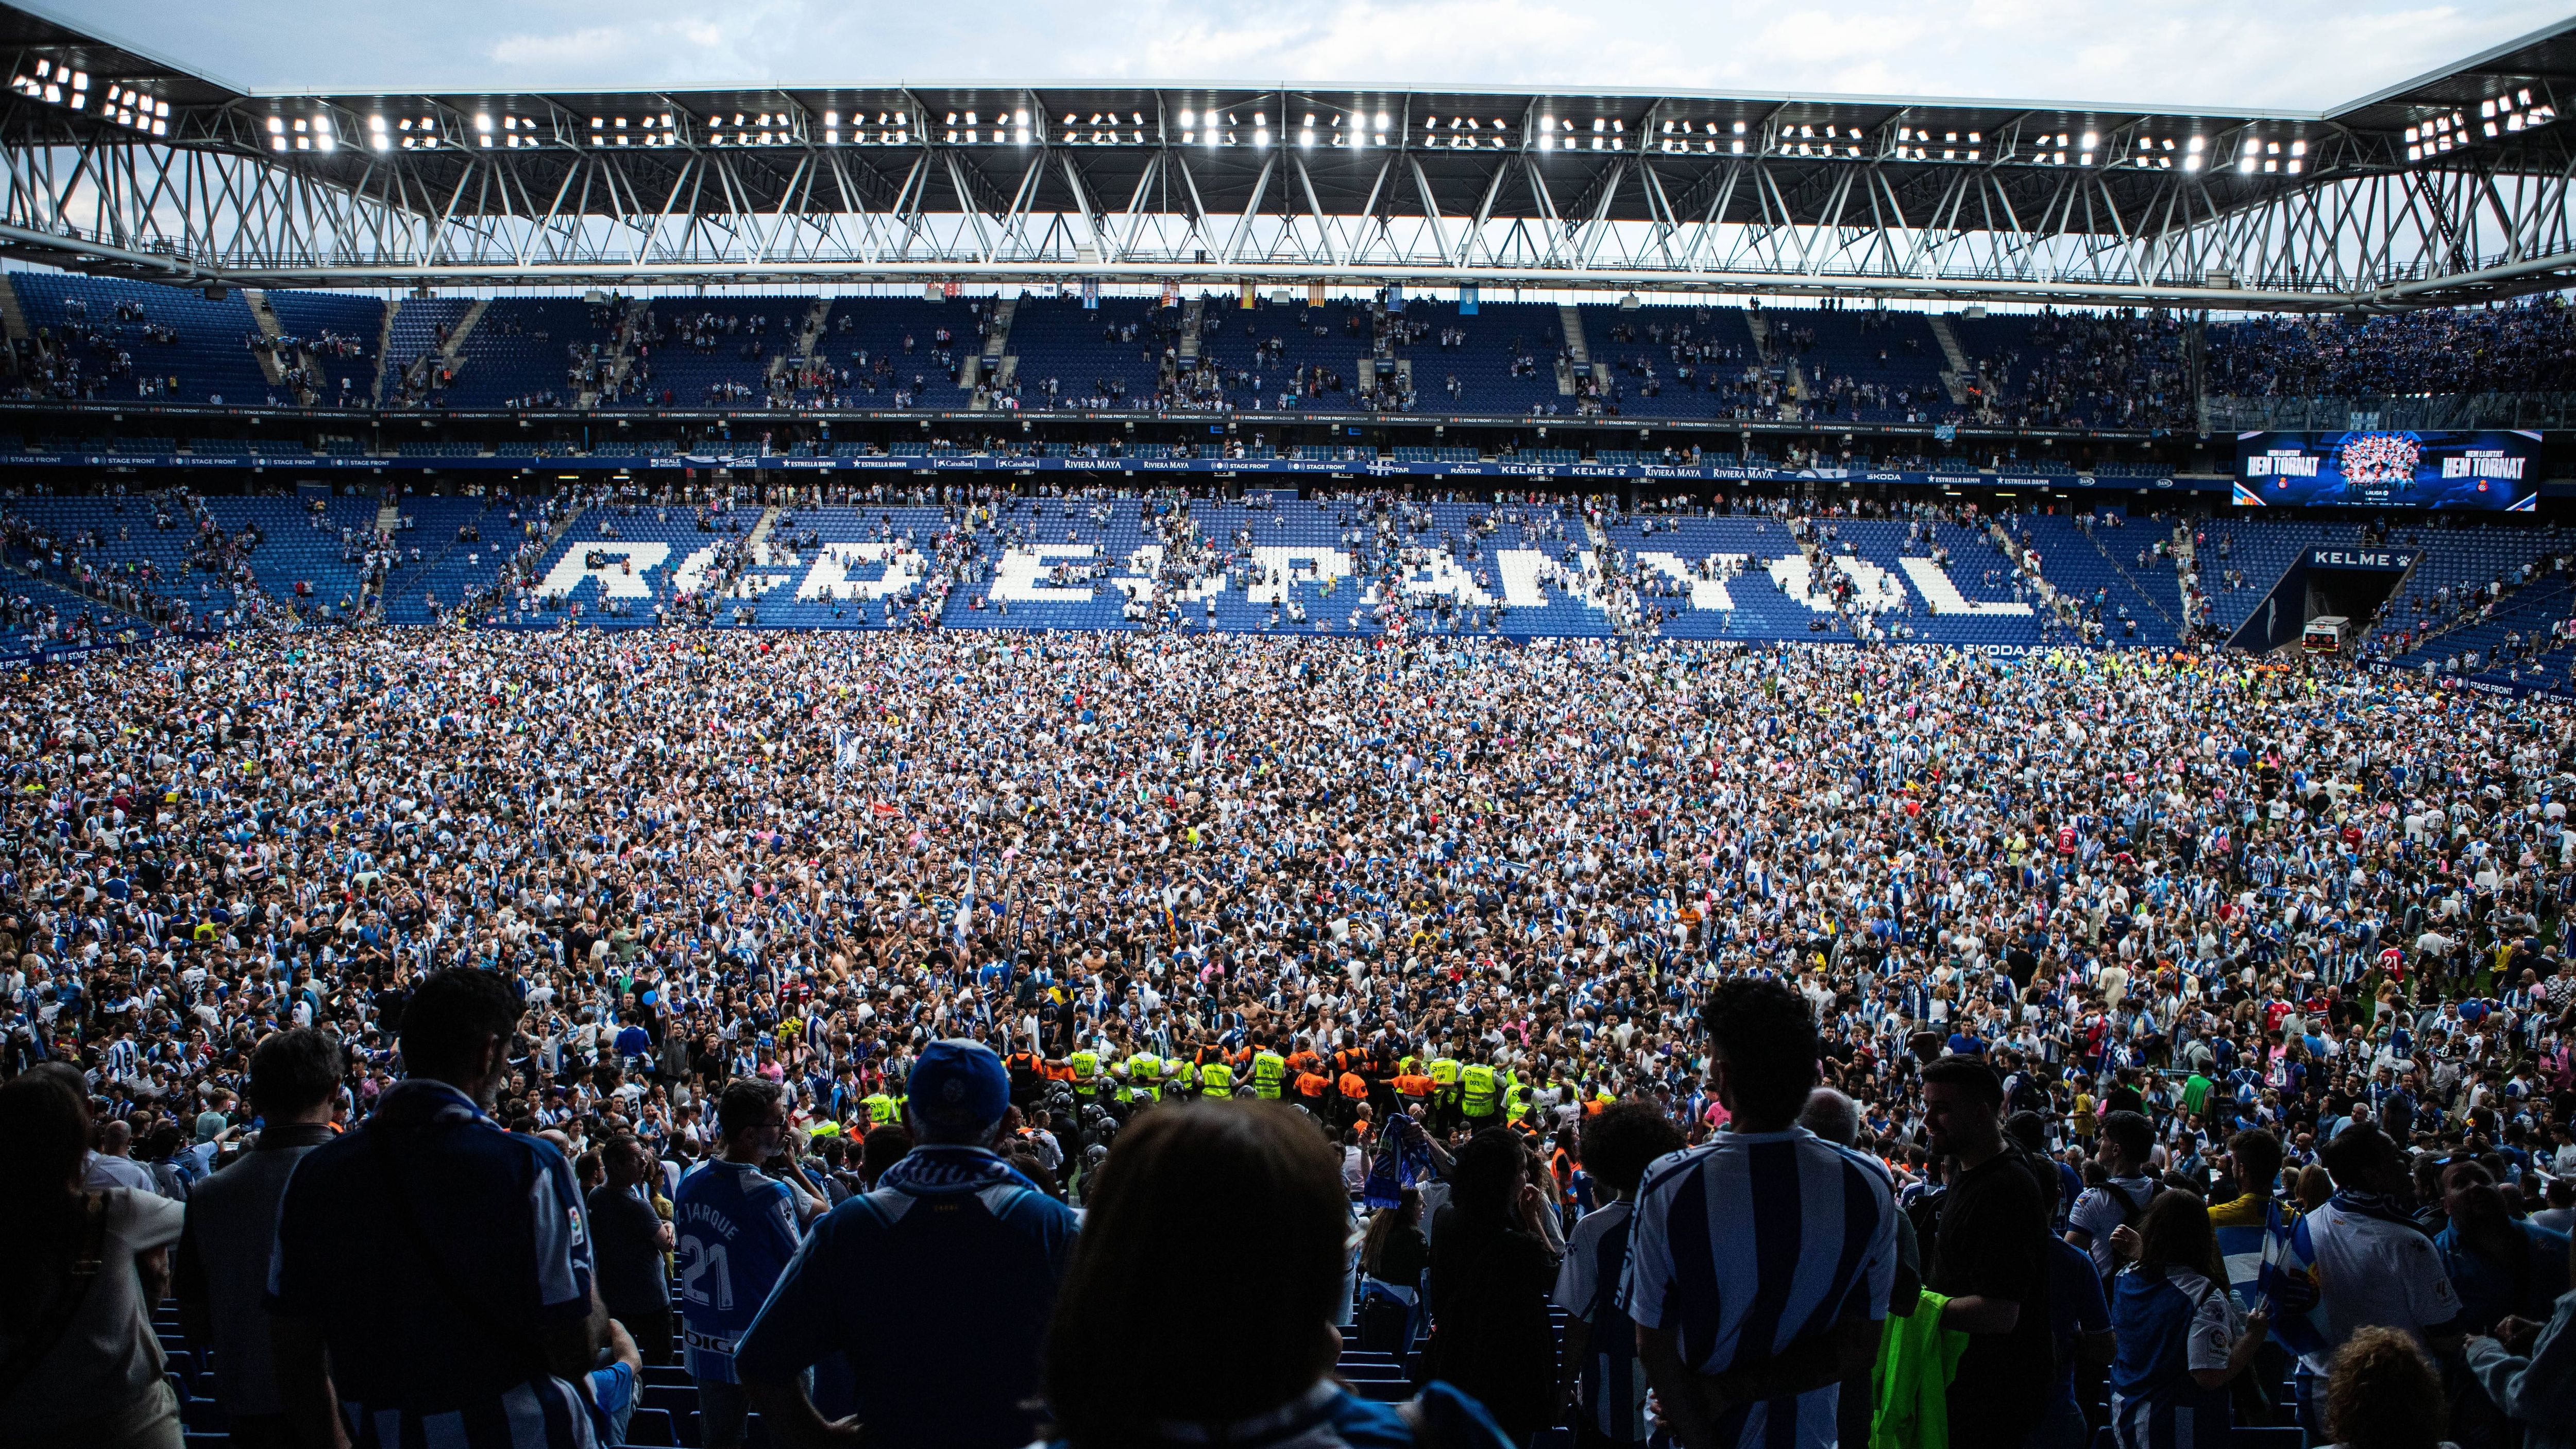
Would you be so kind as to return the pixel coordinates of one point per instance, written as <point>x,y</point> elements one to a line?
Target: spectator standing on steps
<point>1989,1259</point>
<point>431,1281</point>
<point>222,1274</point>
<point>1760,1265</point>
<point>970,1249</point>
<point>736,1228</point>
<point>631,1239</point>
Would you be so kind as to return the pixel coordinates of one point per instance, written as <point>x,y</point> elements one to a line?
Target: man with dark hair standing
<point>431,1279</point>
<point>737,1227</point>
<point>631,1241</point>
<point>971,1251</point>
<point>1598,1365</point>
<point>1759,1265</point>
<point>1989,1258</point>
<point>2127,1153</point>
<point>232,1220</point>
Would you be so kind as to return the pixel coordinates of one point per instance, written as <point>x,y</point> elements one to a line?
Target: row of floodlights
<point>69,87</point>
<point>2497,116</point>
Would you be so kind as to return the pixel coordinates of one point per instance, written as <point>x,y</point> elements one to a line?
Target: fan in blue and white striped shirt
<point>1765,1258</point>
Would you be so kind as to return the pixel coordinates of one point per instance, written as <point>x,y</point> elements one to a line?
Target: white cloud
<point>2212,53</point>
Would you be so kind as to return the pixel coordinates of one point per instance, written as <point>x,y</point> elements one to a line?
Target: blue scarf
<point>929,1170</point>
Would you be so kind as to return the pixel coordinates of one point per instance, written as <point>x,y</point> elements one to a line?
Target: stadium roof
<point>2445,188</point>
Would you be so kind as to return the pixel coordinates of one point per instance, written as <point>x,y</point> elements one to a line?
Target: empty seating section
<point>311,317</point>
<point>712,351</point>
<point>524,347</point>
<point>860,333</point>
<point>34,612</point>
<point>449,567</point>
<point>417,334</point>
<point>177,334</point>
<point>2239,560</point>
<point>2077,560</point>
<point>301,544</point>
<point>1862,366</point>
<point>1073,345</point>
<point>2458,572</point>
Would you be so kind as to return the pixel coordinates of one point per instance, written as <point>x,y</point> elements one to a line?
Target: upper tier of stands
<point>90,338</point>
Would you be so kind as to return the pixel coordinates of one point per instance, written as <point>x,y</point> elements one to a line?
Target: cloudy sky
<point>2289,54</point>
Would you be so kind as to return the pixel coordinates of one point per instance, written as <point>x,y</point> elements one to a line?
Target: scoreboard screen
<point>2389,469</point>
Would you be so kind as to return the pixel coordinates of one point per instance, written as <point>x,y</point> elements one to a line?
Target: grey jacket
<point>2538,1392</point>
<point>223,1261</point>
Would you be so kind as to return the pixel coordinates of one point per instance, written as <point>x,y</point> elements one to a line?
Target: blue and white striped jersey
<point>1611,1393</point>
<point>430,1248</point>
<point>1744,1246</point>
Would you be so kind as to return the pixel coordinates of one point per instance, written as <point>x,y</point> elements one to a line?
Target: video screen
<point>2389,469</point>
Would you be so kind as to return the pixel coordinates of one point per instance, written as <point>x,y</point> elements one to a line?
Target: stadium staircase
<point>997,340</point>
<point>621,354</point>
<point>808,332</point>
<point>1193,328</point>
<point>384,349</point>
<point>452,356</point>
<point>266,317</point>
<point>1955,376</point>
<point>2137,586</point>
<point>12,321</point>
<point>1569,319</point>
<point>2045,591</point>
<point>998,367</point>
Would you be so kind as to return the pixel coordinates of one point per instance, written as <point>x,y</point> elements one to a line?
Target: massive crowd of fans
<point>1504,923</point>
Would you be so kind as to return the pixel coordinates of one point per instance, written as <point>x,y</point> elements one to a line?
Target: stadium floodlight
<point>2090,141</point>
<point>1381,120</point>
<point>1188,121</point>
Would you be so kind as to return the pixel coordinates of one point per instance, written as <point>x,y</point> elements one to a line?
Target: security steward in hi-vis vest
<point>1269,1073</point>
<point>1444,1095</point>
<point>1085,1066</point>
<point>1144,1079</point>
<point>1479,1096</point>
<point>1216,1078</point>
